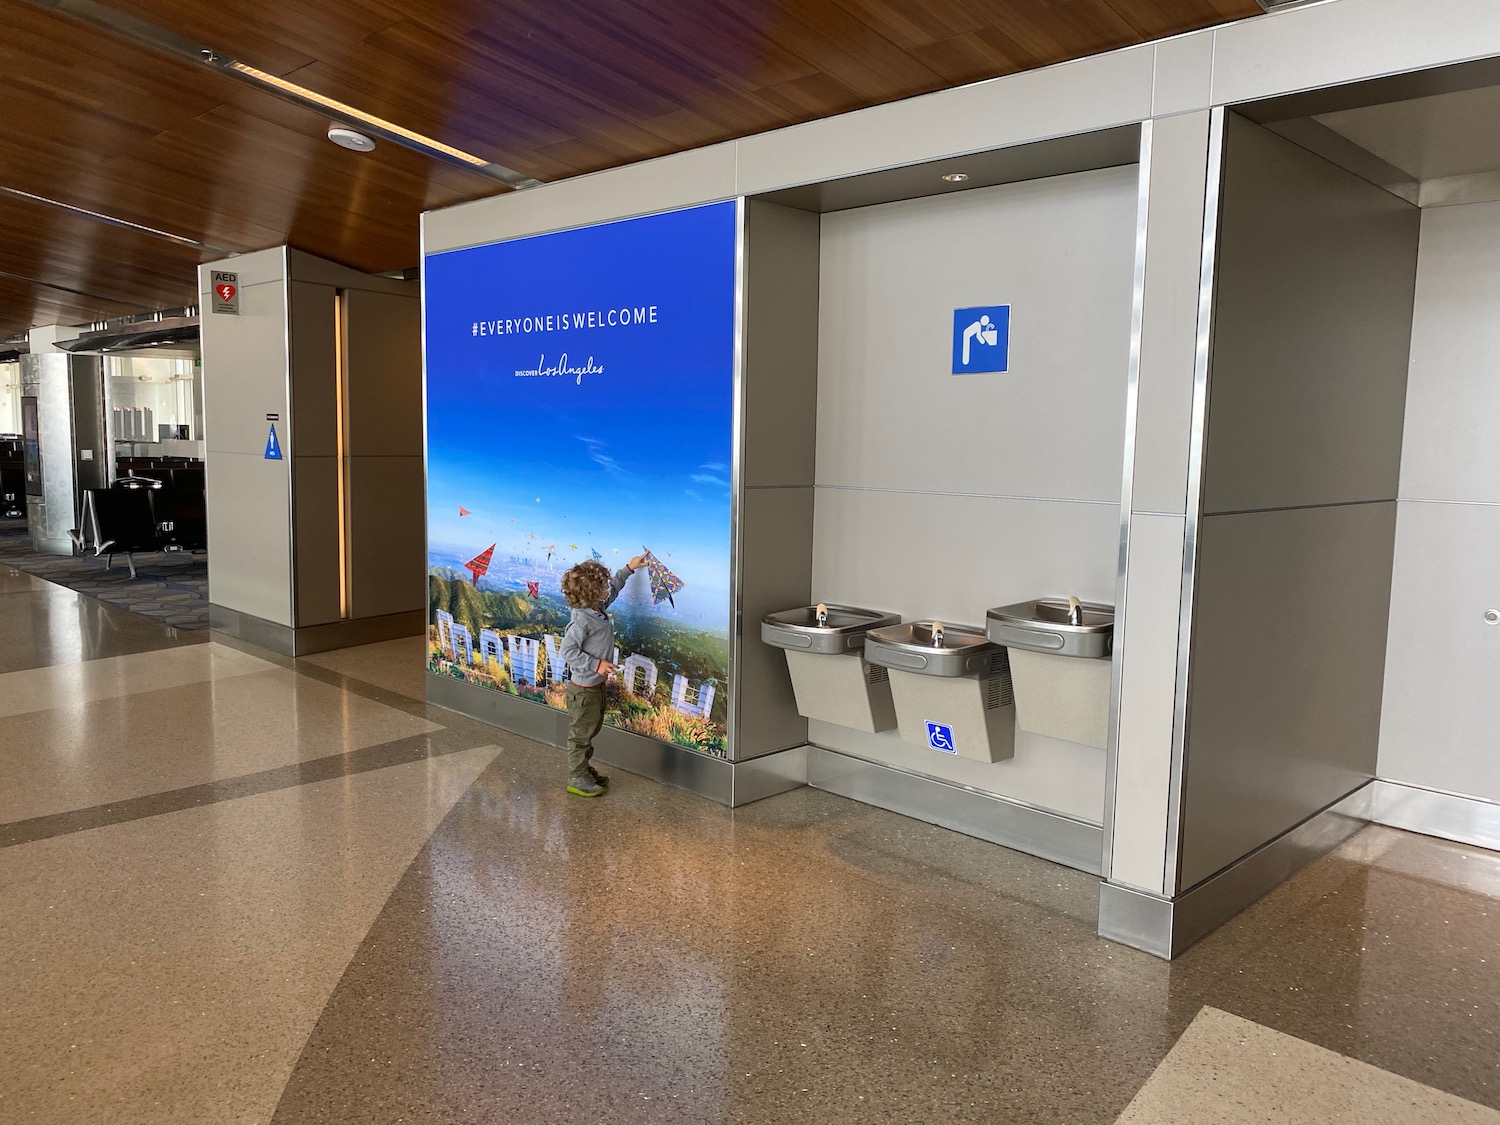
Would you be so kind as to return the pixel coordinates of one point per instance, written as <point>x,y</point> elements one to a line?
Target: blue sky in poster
<point>555,423</point>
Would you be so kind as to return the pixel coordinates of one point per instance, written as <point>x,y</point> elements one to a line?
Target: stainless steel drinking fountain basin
<point>930,648</point>
<point>842,630</point>
<point>1053,626</point>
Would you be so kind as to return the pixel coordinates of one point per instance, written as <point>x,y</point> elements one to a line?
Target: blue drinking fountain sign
<point>580,406</point>
<point>981,340</point>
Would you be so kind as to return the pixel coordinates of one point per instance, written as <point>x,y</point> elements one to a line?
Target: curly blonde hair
<point>586,585</point>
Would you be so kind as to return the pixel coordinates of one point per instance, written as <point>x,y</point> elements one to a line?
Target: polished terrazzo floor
<point>240,888</point>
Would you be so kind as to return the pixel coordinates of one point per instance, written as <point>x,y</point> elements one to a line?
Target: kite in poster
<point>663,582</point>
<point>533,589</point>
<point>480,563</point>
<point>597,556</point>
<point>462,511</point>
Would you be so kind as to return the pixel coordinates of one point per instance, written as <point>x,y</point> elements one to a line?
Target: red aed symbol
<point>225,291</point>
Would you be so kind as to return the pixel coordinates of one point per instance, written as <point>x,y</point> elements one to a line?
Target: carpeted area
<point>168,587</point>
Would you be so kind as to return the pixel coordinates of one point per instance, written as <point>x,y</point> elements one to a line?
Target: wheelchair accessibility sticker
<point>940,737</point>
<point>981,340</point>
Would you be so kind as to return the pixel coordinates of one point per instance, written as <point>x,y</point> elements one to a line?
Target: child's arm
<point>621,576</point>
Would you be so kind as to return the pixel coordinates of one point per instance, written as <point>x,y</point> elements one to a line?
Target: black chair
<point>181,518</point>
<point>188,477</point>
<point>12,493</point>
<point>123,523</point>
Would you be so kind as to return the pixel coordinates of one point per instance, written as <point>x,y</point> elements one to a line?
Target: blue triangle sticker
<point>273,447</point>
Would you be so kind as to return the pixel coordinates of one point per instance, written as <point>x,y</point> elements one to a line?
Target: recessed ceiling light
<point>348,138</point>
<point>956,177</point>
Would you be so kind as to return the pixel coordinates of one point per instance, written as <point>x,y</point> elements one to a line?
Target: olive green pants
<point>585,720</point>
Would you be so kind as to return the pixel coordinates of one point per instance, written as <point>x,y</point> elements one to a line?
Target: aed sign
<point>981,340</point>
<point>226,287</point>
<point>940,737</point>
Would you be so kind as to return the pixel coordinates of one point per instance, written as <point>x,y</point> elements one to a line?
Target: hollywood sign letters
<point>638,674</point>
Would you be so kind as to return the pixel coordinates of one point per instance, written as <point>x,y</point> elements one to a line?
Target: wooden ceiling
<point>549,88</point>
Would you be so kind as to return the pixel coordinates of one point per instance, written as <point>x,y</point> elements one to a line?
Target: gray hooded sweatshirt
<point>590,637</point>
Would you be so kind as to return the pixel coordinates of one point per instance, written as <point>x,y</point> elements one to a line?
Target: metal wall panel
<point>1312,331</point>
<point>1288,661</point>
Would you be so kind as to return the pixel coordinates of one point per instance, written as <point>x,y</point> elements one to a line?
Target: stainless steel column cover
<point>45,378</point>
<point>1166,927</point>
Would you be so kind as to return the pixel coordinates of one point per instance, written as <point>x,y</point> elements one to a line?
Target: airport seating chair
<point>12,493</point>
<point>123,523</point>
<point>181,518</point>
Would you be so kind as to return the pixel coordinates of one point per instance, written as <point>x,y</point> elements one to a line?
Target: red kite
<point>480,563</point>
<point>464,511</point>
<point>534,589</point>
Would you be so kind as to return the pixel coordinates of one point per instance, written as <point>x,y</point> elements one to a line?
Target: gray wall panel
<point>316,539</point>
<point>1328,44</point>
<point>1441,710</point>
<point>1452,445</point>
<point>1312,330</point>
<point>387,535</point>
<point>385,374</point>
<point>781,346</point>
<point>314,357</point>
<point>891,414</point>
<point>1288,662</point>
<point>776,560</point>
<point>249,501</point>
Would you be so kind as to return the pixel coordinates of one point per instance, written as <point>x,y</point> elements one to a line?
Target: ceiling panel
<point>583,82</point>
<point>550,88</point>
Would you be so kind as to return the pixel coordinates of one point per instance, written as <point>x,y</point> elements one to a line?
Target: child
<point>587,647</point>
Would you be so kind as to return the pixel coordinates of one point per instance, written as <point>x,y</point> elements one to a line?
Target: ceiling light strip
<point>111,220</point>
<point>103,16</point>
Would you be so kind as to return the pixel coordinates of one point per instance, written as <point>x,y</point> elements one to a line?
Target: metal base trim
<point>729,783</point>
<point>1048,835</point>
<point>289,641</point>
<point>1449,816</point>
<point>1166,927</point>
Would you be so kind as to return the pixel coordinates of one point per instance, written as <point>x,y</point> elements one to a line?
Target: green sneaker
<point>584,785</point>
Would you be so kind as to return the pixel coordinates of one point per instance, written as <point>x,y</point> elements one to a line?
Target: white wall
<point>10,398</point>
<point>941,495</point>
<point>1441,709</point>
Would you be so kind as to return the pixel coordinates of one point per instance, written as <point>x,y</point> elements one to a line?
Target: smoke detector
<point>348,138</point>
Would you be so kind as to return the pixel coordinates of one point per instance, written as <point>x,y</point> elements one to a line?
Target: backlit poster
<point>580,406</point>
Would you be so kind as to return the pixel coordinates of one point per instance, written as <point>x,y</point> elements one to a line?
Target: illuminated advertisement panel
<point>580,406</point>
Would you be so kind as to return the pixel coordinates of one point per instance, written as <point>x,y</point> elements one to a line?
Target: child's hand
<point>606,668</point>
<point>636,563</point>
